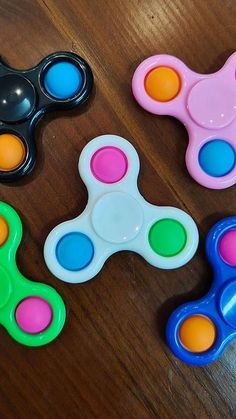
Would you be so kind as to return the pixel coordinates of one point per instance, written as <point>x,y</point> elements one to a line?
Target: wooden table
<point>111,360</point>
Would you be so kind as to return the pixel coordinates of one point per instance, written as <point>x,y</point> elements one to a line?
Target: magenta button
<point>227,247</point>
<point>212,103</point>
<point>33,315</point>
<point>109,164</point>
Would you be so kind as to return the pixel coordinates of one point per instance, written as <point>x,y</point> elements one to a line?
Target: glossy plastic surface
<point>32,313</point>
<point>117,218</point>
<point>219,305</point>
<point>61,81</point>
<point>205,104</point>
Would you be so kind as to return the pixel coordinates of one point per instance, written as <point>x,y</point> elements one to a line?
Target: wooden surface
<point>111,360</point>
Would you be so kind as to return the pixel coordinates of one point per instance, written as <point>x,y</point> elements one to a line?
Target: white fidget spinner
<point>117,218</point>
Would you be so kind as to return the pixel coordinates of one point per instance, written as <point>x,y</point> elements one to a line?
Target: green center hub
<point>167,237</point>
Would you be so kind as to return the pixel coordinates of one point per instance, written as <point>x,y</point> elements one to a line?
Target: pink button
<point>212,103</point>
<point>109,164</point>
<point>33,315</point>
<point>227,247</point>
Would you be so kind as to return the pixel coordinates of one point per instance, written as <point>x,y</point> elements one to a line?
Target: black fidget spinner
<point>62,80</point>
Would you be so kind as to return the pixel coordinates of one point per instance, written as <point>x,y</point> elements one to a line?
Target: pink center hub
<point>212,103</point>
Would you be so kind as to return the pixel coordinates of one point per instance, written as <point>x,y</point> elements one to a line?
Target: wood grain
<point>111,360</point>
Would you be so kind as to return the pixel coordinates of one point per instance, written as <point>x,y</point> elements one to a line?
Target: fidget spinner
<point>204,103</point>
<point>62,80</point>
<point>33,313</point>
<point>117,218</point>
<point>198,332</point>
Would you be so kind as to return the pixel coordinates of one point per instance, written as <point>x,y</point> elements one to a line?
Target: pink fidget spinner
<point>204,103</point>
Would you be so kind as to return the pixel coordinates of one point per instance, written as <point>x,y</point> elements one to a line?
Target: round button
<point>227,247</point>
<point>162,84</point>
<point>62,80</point>
<point>212,103</point>
<point>117,217</point>
<point>33,315</point>
<point>217,158</point>
<point>228,303</point>
<point>12,152</point>
<point>167,237</point>
<point>4,231</point>
<point>74,251</point>
<point>17,98</point>
<point>197,333</point>
<point>109,164</point>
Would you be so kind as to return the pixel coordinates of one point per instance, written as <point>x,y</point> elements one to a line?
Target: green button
<point>167,237</point>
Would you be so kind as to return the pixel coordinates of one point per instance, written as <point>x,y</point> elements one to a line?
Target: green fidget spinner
<point>33,313</point>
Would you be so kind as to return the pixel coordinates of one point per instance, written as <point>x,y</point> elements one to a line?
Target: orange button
<point>197,333</point>
<point>12,152</point>
<point>162,84</point>
<point>4,231</point>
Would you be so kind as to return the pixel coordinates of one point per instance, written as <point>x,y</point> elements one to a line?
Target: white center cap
<point>117,217</point>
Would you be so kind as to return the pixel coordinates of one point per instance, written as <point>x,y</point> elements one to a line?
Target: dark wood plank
<point>111,360</point>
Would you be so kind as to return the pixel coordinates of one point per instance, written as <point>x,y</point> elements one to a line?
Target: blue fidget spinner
<point>61,81</point>
<point>199,331</point>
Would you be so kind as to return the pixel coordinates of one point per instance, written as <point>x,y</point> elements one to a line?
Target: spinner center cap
<point>117,217</point>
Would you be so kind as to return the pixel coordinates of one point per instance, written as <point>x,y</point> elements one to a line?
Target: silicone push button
<point>167,237</point>
<point>74,251</point>
<point>162,84</point>
<point>4,231</point>
<point>12,152</point>
<point>228,303</point>
<point>212,103</point>
<point>227,247</point>
<point>33,315</point>
<point>217,158</point>
<point>109,164</point>
<point>62,80</point>
<point>117,217</point>
<point>17,98</point>
<point>197,333</point>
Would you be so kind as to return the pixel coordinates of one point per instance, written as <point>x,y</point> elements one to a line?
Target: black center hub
<point>17,98</point>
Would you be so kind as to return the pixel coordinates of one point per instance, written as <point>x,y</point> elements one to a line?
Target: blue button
<point>63,80</point>
<point>74,251</point>
<point>217,158</point>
